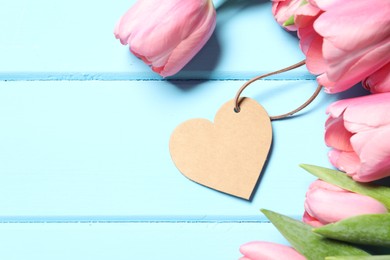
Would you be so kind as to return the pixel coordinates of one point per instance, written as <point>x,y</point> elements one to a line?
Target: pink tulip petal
<point>324,4</point>
<point>159,34</point>
<point>320,184</point>
<point>367,118</point>
<point>166,36</point>
<point>362,113</point>
<point>305,15</point>
<point>257,250</point>
<point>352,53</point>
<point>332,206</point>
<point>310,220</point>
<point>315,62</point>
<point>336,135</point>
<point>283,10</point>
<point>368,112</point>
<point>373,149</point>
<point>379,81</point>
<point>336,109</point>
<point>349,68</point>
<point>187,49</point>
<point>132,19</point>
<point>338,23</point>
<point>344,161</point>
<point>338,60</point>
<point>306,36</point>
<point>330,86</point>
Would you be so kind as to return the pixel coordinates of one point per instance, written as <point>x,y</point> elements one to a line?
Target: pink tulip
<point>344,43</point>
<point>167,34</point>
<point>326,203</point>
<point>283,10</point>
<point>379,81</point>
<point>354,45</point>
<point>358,130</point>
<point>257,250</point>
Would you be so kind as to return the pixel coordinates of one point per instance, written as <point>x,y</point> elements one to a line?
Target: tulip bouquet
<point>339,214</point>
<point>346,47</point>
<point>345,43</point>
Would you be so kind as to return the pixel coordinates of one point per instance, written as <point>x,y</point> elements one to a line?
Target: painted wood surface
<point>72,39</point>
<point>91,241</point>
<point>99,148</point>
<point>85,170</point>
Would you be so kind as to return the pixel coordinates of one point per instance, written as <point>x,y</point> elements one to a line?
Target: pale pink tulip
<point>258,250</point>
<point>326,203</point>
<point>379,81</point>
<point>358,130</point>
<point>167,34</point>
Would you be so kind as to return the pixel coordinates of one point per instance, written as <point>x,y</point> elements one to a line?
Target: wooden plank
<point>148,241</point>
<point>73,40</point>
<point>74,150</point>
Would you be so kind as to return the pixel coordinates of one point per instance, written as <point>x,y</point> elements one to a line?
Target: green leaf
<point>369,229</point>
<point>289,21</point>
<point>342,180</point>
<point>305,241</point>
<point>372,257</point>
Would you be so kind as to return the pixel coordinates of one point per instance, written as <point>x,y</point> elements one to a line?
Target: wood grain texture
<point>74,40</point>
<point>98,148</point>
<point>85,170</point>
<point>148,241</point>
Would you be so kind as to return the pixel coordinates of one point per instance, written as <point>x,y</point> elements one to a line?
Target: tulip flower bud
<point>266,250</point>
<point>337,50</point>
<point>167,34</point>
<point>284,12</point>
<point>326,203</point>
<point>379,81</point>
<point>358,130</point>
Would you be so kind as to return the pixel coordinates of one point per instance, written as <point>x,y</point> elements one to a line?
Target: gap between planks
<point>123,76</point>
<point>137,219</point>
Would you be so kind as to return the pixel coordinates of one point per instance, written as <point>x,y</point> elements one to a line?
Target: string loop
<point>299,64</point>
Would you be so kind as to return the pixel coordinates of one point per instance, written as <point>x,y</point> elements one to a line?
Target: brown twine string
<point>299,64</point>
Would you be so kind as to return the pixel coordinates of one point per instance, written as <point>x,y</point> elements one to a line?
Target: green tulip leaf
<point>371,257</point>
<point>369,229</point>
<point>342,180</point>
<point>289,21</point>
<point>305,241</point>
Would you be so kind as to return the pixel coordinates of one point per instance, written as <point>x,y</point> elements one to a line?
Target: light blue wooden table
<point>85,170</point>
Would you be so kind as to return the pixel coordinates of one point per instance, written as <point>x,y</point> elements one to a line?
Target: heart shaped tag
<point>227,155</point>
